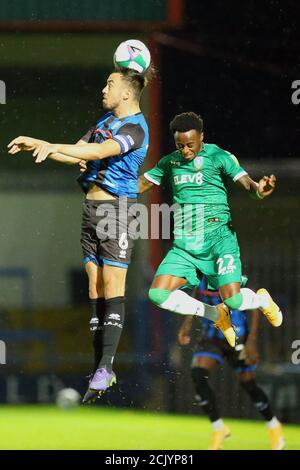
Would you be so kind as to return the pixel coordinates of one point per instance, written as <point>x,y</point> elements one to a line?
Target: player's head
<point>187,129</point>
<point>123,87</point>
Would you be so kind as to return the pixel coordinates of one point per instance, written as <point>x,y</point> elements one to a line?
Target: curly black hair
<point>186,122</point>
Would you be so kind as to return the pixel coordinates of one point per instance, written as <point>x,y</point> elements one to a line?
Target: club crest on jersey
<point>198,163</point>
<point>101,135</point>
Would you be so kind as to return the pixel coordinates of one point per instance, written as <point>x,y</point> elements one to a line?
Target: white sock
<point>273,423</point>
<point>264,300</point>
<point>180,302</point>
<point>251,300</point>
<point>217,425</point>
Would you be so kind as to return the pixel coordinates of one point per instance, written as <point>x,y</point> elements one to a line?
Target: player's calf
<point>261,402</point>
<point>178,301</point>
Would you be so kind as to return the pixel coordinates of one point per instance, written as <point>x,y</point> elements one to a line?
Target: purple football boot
<point>100,382</point>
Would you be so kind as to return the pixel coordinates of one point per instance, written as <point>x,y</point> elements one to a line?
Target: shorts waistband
<point>114,202</point>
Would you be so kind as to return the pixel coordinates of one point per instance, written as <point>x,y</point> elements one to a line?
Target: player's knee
<point>199,376</point>
<point>234,302</point>
<point>93,292</point>
<point>158,296</point>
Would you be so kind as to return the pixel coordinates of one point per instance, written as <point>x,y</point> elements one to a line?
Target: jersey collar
<point>202,151</point>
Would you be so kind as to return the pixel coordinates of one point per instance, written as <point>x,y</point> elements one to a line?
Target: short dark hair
<point>186,122</point>
<point>137,80</point>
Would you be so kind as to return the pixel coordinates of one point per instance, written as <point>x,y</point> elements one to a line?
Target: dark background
<point>232,62</point>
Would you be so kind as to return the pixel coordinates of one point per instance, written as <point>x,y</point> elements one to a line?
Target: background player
<point>204,240</point>
<point>114,149</point>
<point>211,349</point>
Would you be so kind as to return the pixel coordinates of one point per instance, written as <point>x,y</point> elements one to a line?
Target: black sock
<point>112,329</point>
<point>96,327</point>
<point>259,398</point>
<point>205,394</point>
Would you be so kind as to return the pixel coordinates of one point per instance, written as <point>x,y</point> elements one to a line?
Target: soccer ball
<point>132,54</point>
<point>67,398</point>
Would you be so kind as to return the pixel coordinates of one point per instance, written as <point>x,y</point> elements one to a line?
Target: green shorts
<point>218,259</point>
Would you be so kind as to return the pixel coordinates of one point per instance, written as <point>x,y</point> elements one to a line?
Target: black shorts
<point>107,233</point>
<point>219,349</point>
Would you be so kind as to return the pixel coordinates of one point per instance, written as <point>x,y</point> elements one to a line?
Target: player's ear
<point>202,136</point>
<point>127,94</point>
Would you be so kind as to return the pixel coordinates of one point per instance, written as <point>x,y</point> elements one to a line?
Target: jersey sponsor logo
<point>196,178</point>
<point>175,162</point>
<point>101,135</point>
<point>198,163</point>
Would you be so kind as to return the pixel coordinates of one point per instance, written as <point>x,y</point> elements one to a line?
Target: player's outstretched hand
<point>22,143</point>
<point>183,338</point>
<point>267,185</point>
<point>43,151</point>
<point>184,331</point>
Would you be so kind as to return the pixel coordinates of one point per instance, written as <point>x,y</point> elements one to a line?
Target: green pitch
<point>47,427</point>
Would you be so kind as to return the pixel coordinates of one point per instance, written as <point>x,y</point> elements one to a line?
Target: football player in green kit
<point>204,240</point>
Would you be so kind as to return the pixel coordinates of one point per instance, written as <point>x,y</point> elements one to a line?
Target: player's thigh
<point>204,361</point>
<point>94,273</point>
<point>227,264</point>
<point>164,281</point>
<point>175,271</point>
<point>114,281</point>
<point>246,376</point>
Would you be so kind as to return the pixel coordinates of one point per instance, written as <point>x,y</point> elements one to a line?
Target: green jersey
<point>199,188</point>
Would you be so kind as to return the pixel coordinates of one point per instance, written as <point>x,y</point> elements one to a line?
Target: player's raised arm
<point>260,190</point>
<point>29,144</point>
<point>92,151</point>
<point>231,167</point>
<point>61,158</point>
<point>155,176</point>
